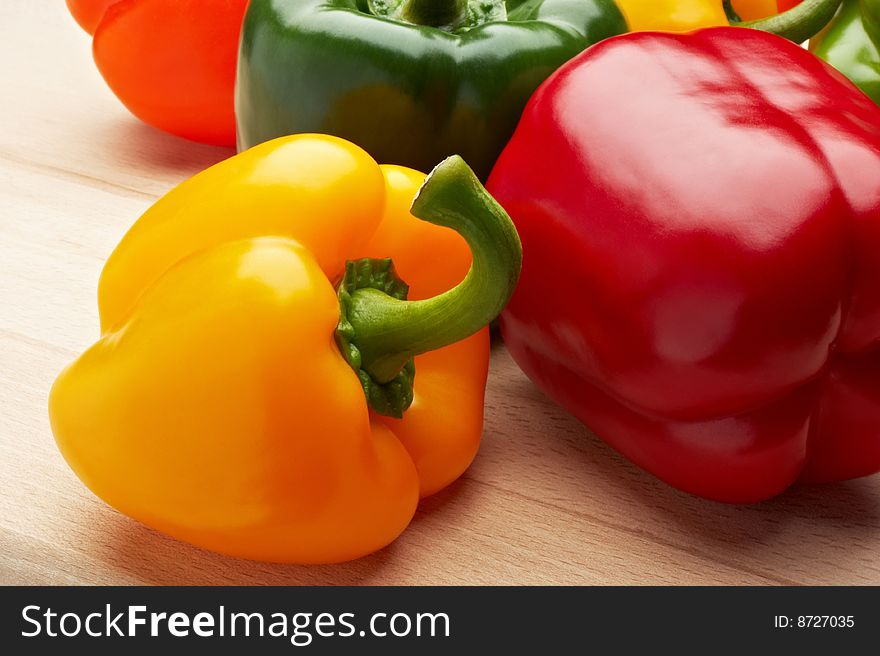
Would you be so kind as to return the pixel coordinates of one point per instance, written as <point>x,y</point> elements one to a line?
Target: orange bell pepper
<point>88,13</point>
<point>218,407</point>
<point>170,62</point>
<point>754,9</point>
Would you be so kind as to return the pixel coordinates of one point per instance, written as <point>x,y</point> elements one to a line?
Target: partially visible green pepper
<point>852,44</point>
<point>410,81</point>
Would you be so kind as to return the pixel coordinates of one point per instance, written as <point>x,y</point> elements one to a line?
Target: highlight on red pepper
<point>170,62</point>
<point>265,388</point>
<point>700,217</point>
<point>411,81</point>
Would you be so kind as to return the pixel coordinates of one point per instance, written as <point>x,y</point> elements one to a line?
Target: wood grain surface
<point>544,503</point>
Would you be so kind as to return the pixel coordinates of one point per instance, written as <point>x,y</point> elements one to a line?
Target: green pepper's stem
<point>448,15</point>
<point>798,23</point>
<point>388,332</point>
<point>434,13</point>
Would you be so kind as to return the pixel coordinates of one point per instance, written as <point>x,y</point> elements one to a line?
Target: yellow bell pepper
<point>672,15</point>
<point>253,390</point>
<point>688,15</point>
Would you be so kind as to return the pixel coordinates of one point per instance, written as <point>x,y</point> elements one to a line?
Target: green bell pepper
<point>411,81</point>
<point>852,44</point>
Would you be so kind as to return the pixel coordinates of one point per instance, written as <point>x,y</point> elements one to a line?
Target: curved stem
<point>732,17</point>
<point>388,332</point>
<point>799,23</point>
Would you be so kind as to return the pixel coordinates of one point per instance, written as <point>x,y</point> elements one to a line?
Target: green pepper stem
<point>798,23</point>
<point>388,332</point>
<point>434,13</point>
<point>447,14</point>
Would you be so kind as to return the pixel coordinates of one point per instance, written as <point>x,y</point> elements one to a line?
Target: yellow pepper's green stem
<point>379,332</point>
<point>798,23</point>
<point>389,331</point>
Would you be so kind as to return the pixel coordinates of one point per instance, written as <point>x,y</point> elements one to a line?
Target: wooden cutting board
<point>544,503</point>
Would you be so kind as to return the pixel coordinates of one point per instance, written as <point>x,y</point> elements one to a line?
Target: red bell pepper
<point>714,321</point>
<point>785,5</point>
<point>170,62</point>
